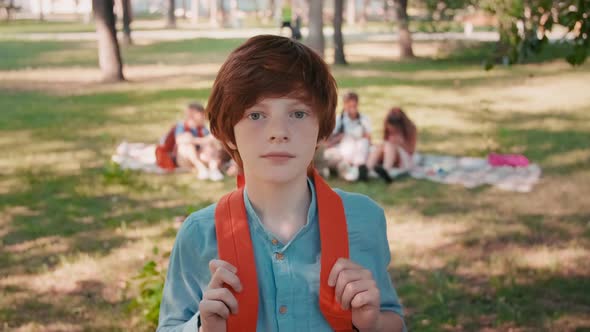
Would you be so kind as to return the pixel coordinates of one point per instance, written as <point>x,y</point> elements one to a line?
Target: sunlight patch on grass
<point>61,162</point>
<point>570,322</point>
<point>531,94</point>
<point>555,259</point>
<point>10,184</point>
<point>111,269</point>
<point>424,75</point>
<point>52,327</point>
<point>48,245</point>
<point>556,195</point>
<point>79,81</point>
<point>569,158</point>
<point>362,52</point>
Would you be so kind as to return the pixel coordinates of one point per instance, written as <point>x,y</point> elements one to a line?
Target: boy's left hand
<point>357,290</point>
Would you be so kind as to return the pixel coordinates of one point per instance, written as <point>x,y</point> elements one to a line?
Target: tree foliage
<point>524,26</point>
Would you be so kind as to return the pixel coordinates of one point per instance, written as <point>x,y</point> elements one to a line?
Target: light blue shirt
<point>291,282</point>
<point>194,131</point>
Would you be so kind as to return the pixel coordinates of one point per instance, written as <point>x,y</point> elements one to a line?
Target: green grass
<point>28,54</point>
<point>463,259</point>
<point>34,26</point>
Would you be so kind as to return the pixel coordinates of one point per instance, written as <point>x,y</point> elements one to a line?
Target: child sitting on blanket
<point>189,144</point>
<point>286,252</point>
<point>348,146</point>
<point>395,154</point>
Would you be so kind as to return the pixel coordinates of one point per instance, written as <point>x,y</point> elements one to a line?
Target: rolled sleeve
<point>179,129</point>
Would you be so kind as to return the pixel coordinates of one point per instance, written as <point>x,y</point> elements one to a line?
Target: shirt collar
<point>255,222</point>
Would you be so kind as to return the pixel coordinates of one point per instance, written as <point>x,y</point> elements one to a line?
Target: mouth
<point>278,156</point>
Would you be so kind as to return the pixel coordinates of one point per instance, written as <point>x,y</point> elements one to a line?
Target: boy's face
<point>276,139</point>
<point>195,118</point>
<point>351,107</point>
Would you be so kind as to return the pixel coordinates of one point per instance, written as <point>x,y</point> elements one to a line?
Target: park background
<point>84,243</point>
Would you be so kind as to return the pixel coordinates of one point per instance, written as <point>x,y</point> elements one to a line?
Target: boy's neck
<point>282,208</point>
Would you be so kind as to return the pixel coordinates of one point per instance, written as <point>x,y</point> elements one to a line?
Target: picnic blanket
<point>472,172</point>
<point>139,156</point>
<point>466,171</point>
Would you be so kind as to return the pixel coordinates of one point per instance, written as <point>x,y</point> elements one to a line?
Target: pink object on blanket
<point>516,160</point>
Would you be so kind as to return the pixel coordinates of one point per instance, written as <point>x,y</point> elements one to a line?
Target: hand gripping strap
<point>334,244</point>
<point>235,247</point>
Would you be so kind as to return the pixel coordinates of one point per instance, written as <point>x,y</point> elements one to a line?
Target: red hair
<point>270,66</point>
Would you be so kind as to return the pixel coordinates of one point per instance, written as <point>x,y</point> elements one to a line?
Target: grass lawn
<point>74,230</point>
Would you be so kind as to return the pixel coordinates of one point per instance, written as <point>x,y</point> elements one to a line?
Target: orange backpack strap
<point>240,180</point>
<point>334,245</point>
<point>234,246</point>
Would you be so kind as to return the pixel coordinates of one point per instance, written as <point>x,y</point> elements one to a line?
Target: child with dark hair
<point>395,154</point>
<point>283,252</point>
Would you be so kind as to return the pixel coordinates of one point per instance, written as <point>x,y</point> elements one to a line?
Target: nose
<point>279,131</point>
<point>279,139</point>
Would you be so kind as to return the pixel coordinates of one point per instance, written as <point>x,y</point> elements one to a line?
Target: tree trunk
<point>273,6</point>
<point>350,12</point>
<point>41,16</point>
<point>338,40</point>
<point>405,37</point>
<point>233,14</point>
<point>213,13</point>
<point>224,13</point>
<point>364,14</point>
<point>315,39</point>
<point>109,56</point>
<point>195,11</point>
<point>127,18</point>
<point>170,17</point>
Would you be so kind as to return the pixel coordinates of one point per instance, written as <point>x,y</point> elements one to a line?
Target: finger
<point>223,276</point>
<point>341,264</point>
<point>344,278</point>
<point>214,264</point>
<point>354,288</point>
<point>224,295</point>
<point>362,299</point>
<point>208,308</point>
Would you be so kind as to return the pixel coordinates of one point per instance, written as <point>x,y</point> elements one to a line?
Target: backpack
<point>234,245</point>
<point>165,150</point>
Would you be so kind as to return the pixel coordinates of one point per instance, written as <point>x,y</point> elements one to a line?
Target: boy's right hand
<point>218,302</point>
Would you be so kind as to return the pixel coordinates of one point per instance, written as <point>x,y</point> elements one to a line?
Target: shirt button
<point>279,256</point>
<point>283,309</point>
<point>275,242</point>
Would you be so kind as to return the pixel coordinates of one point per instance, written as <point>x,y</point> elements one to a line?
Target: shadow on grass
<point>56,208</point>
<point>443,300</point>
<point>67,118</point>
<point>64,310</point>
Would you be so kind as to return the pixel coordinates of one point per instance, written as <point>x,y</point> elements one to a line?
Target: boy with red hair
<point>285,252</point>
